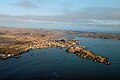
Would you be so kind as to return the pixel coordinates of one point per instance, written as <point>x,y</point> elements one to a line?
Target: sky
<point>60,9</point>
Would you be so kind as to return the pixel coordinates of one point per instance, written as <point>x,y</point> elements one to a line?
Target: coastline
<point>16,41</point>
<point>100,35</point>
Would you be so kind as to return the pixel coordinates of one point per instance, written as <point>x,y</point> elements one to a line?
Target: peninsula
<point>15,41</point>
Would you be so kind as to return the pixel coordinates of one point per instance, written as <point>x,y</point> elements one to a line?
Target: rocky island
<point>15,41</point>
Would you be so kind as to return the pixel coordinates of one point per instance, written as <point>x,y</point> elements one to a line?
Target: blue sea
<point>56,64</point>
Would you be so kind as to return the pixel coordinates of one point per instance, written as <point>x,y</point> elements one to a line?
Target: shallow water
<point>56,64</point>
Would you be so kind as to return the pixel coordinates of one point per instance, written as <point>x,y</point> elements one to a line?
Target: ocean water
<point>56,64</point>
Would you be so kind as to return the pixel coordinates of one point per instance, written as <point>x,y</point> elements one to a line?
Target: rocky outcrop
<point>84,53</point>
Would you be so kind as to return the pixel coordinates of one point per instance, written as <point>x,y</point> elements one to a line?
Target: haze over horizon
<point>60,10</point>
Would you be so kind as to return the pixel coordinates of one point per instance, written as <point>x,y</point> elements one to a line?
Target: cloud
<point>84,14</point>
<point>26,4</point>
<point>95,13</point>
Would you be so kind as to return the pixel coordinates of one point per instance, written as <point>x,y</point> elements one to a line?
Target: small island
<point>15,41</point>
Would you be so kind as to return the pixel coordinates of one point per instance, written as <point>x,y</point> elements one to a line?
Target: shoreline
<point>100,35</point>
<point>17,41</point>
